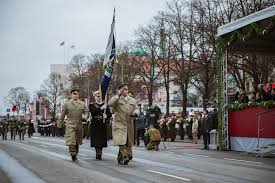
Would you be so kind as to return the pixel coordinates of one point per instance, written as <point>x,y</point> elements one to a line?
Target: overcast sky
<point>32,30</point>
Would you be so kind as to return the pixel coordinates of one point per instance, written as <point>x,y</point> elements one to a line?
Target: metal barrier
<point>213,140</point>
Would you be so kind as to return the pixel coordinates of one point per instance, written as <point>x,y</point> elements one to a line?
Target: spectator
<point>206,129</point>
<point>261,93</point>
<point>237,97</point>
<point>141,121</point>
<point>268,91</point>
<point>195,126</point>
<point>243,98</point>
<point>273,95</point>
<point>214,118</point>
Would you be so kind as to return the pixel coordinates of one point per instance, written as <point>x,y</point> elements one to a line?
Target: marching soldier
<point>54,128</point>
<point>152,137</point>
<point>13,127</point>
<point>4,129</point>
<point>124,108</point>
<point>100,114</point>
<point>21,125</point>
<point>74,109</point>
<point>30,128</point>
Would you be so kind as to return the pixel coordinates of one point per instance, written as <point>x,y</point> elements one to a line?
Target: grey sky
<point>31,31</point>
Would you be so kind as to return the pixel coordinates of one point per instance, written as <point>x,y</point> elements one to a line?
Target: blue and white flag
<point>109,61</point>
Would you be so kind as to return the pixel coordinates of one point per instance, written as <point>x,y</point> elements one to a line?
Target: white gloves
<point>103,107</point>
<point>104,116</point>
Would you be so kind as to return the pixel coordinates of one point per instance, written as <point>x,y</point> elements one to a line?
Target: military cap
<point>74,90</point>
<point>122,85</point>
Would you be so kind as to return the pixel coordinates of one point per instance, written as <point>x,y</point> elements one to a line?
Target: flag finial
<point>114,15</point>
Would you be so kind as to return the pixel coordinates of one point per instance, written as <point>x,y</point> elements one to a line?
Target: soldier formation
<point>15,127</point>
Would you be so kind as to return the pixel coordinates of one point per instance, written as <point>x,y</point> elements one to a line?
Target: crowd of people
<point>258,94</point>
<point>193,125</point>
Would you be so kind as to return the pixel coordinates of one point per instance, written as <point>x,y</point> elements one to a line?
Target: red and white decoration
<point>243,128</point>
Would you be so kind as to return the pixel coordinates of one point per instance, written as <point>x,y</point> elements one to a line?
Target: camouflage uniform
<point>13,127</point>
<point>21,125</point>
<point>4,129</point>
<point>153,137</point>
<point>30,128</point>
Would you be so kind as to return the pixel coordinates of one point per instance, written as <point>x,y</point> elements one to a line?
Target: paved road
<point>46,159</point>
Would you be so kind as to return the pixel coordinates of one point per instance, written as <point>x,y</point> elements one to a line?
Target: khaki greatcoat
<point>74,110</point>
<point>122,125</point>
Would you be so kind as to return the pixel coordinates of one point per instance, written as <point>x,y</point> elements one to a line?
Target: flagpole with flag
<point>63,45</point>
<point>109,61</point>
<point>108,64</point>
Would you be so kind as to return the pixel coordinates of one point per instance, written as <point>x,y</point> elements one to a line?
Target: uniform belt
<point>98,117</point>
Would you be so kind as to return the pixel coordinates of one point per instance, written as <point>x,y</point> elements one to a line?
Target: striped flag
<point>109,61</point>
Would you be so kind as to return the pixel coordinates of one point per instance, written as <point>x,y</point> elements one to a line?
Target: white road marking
<point>243,161</point>
<point>82,154</point>
<point>197,155</point>
<point>169,175</point>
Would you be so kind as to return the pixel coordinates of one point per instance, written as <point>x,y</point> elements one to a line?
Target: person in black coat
<point>205,128</point>
<point>100,115</point>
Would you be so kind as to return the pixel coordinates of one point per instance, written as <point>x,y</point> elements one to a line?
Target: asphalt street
<point>46,159</point>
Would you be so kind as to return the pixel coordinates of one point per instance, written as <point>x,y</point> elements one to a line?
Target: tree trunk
<point>167,98</point>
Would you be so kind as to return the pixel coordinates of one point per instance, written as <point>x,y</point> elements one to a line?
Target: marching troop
<point>119,119</point>
<point>16,127</point>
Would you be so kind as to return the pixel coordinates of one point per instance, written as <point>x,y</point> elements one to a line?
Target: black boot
<point>130,157</point>
<point>74,158</point>
<point>98,156</point>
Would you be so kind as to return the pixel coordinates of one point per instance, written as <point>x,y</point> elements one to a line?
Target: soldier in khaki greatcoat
<point>74,109</point>
<point>125,108</point>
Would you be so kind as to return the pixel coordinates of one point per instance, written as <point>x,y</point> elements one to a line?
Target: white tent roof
<point>255,17</point>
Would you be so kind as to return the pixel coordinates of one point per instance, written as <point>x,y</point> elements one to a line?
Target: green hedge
<point>241,106</point>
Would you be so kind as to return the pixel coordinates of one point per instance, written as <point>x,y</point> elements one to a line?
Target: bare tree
<point>147,39</point>
<point>180,16</point>
<point>53,91</point>
<point>166,54</point>
<point>78,70</point>
<point>21,98</point>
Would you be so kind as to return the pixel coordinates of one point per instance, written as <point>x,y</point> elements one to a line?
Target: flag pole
<point>106,95</point>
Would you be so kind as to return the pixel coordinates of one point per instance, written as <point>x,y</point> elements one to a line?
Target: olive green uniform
<point>4,129</point>
<point>74,128</point>
<point>21,126</point>
<point>13,127</point>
